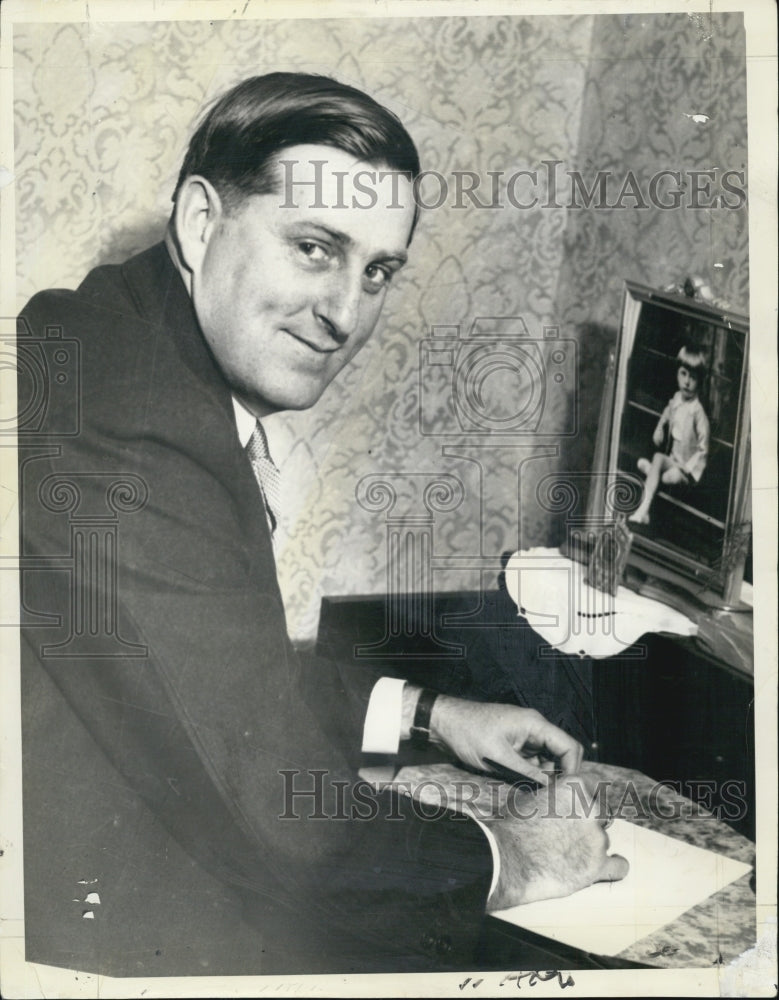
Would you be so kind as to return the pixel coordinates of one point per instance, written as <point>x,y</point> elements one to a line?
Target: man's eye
<point>314,251</point>
<point>377,275</point>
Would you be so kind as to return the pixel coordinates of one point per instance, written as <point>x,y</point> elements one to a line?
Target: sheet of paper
<point>666,878</point>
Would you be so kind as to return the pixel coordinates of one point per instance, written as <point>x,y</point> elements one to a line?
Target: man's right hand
<point>551,844</point>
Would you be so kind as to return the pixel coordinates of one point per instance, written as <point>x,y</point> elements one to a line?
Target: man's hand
<point>518,738</point>
<point>552,842</point>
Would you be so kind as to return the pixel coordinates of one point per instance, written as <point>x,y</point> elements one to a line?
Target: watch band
<point>420,728</point>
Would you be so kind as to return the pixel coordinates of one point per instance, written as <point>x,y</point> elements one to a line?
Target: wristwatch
<point>420,728</point>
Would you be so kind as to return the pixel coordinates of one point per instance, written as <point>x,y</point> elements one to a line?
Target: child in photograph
<point>688,434</point>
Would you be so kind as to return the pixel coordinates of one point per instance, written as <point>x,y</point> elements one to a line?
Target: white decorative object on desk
<point>551,592</point>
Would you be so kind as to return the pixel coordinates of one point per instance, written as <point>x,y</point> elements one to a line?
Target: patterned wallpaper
<point>664,93</point>
<point>104,113</point>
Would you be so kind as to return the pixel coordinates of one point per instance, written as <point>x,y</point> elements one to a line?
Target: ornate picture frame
<point>696,534</point>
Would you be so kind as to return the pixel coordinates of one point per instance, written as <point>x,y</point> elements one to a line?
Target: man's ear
<point>197,213</point>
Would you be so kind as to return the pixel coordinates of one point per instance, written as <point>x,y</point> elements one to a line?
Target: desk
<point>663,709</point>
<point>713,932</point>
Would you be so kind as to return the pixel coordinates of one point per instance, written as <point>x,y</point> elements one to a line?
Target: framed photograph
<point>673,446</point>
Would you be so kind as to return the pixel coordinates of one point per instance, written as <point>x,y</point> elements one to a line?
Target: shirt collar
<point>245,422</point>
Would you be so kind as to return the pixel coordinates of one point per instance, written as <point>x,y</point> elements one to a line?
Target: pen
<point>509,775</point>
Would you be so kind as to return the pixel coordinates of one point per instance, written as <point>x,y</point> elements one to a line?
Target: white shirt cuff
<point>495,855</point>
<point>381,732</point>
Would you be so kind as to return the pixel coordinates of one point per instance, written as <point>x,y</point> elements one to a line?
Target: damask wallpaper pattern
<point>669,93</point>
<point>103,113</point>
<point>664,93</point>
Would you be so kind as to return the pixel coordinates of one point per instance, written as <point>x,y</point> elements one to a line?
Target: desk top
<point>722,926</point>
<point>712,932</point>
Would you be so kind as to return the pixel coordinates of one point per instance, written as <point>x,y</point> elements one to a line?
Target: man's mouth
<point>317,346</point>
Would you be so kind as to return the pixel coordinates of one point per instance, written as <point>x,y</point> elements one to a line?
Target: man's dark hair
<point>259,117</point>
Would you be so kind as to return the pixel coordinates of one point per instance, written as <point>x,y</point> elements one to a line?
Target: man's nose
<point>339,306</point>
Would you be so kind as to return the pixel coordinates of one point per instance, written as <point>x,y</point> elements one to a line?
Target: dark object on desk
<point>513,778</point>
<point>610,556</point>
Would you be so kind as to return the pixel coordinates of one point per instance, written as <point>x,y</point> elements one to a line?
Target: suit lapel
<point>160,296</point>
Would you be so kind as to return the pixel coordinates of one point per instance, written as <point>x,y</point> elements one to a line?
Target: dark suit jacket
<point>162,698</point>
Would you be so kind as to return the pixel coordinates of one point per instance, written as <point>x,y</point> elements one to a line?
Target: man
<point>164,708</point>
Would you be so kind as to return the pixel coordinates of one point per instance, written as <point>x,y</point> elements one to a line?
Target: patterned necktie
<point>266,474</point>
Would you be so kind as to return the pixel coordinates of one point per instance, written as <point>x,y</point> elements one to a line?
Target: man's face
<point>285,295</point>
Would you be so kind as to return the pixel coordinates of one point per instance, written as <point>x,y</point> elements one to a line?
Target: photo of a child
<point>681,435</point>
